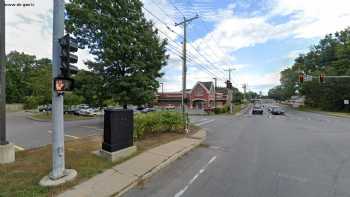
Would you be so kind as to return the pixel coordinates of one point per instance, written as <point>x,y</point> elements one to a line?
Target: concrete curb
<point>164,164</point>
<point>124,176</point>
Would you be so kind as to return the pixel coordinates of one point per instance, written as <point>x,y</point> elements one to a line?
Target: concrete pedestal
<point>117,155</point>
<point>7,153</point>
<point>69,175</point>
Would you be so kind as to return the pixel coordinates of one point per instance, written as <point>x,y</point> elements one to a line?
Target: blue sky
<point>258,38</point>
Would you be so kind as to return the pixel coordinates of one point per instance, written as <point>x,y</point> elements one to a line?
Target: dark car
<point>257,109</point>
<point>277,111</point>
<point>45,108</point>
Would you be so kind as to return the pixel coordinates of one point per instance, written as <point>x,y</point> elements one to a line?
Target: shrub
<point>31,102</point>
<point>222,110</point>
<point>156,123</point>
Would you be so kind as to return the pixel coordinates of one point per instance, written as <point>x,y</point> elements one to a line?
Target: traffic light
<point>229,84</point>
<point>68,46</point>
<point>322,78</point>
<point>301,77</point>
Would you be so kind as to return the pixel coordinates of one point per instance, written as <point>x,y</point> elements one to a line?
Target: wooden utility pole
<point>215,85</point>
<point>230,90</point>
<point>184,66</point>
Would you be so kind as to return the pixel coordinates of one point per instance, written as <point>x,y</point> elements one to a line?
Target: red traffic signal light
<point>301,77</point>
<point>322,78</point>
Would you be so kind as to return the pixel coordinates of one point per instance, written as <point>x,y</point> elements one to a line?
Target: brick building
<point>201,96</point>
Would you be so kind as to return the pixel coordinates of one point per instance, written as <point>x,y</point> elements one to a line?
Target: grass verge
<point>21,178</point>
<point>318,110</point>
<point>67,117</point>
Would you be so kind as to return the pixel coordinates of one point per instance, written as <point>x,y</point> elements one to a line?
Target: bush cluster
<point>222,110</point>
<point>156,123</point>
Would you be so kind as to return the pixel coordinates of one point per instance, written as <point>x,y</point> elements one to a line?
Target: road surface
<point>26,133</point>
<point>298,155</point>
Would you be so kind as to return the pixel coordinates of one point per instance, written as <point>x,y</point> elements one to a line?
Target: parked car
<point>148,109</point>
<point>277,111</point>
<point>45,108</point>
<point>170,107</point>
<point>258,109</point>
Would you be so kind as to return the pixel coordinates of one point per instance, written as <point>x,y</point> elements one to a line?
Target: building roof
<point>221,90</point>
<point>207,84</point>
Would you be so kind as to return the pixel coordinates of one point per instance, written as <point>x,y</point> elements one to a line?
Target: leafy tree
<point>89,85</point>
<point>128,52</point>
<point>18,70</point>
<point>329,56</point>
<point>72,99</point>
<point>28,79</point>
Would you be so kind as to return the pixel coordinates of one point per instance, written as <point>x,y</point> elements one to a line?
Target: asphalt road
<point>26,133</point>
<point>297,155</point>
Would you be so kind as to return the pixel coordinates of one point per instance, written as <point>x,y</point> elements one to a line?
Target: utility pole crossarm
<point>187,20</point>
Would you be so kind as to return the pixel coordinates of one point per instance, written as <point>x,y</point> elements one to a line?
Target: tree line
<point>331,56</point>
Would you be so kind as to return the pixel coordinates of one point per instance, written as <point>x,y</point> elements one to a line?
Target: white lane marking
<point>71,136</point>
<point>182,191</point>
<point>205,122</point>
<point>19,148</point>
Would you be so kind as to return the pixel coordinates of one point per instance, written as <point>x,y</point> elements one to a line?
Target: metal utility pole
<point>184,66</point>
<point>215,79</point>
<point>58,162</point>
<point>59,173</point>
<point>3,140</point>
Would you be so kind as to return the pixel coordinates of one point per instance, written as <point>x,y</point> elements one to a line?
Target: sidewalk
<point>124,176</point>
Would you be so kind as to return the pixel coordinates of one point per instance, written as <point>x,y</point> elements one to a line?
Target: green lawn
<point>21,179</point>
<point>67,117</point>
<point>318,110</point>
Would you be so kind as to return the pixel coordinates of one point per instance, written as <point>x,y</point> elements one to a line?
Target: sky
<point>257,38</point>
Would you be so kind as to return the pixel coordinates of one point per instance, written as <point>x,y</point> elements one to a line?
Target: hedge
<point>156,123</point>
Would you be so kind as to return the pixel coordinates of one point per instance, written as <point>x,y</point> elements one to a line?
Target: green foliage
<point>329,56</point>
<point>237,97</point>
<point>156,123</point>
<point>31,102</point>
<point>222,110</point>
<point>27,76</point>
<point>89,85</point>
<point>73,99</point>
<point>128,51</point>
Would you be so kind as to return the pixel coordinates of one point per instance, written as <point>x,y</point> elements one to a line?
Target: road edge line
<point>162,165</point>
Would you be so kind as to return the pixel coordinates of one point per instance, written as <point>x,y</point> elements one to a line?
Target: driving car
<point>257,109</point>
<point>277,111</point>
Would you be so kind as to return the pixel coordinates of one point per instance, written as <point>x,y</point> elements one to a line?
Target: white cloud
<point>316,17</point>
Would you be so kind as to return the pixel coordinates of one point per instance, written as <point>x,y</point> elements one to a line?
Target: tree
<point>329,56</point>
<point>28,79</point>
<point>127,49</point>
<point>18,70</point>
<point>89,85</point>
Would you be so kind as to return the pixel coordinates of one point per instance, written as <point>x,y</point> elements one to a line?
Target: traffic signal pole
<point>58,162</point>
<point>59,174</point>
<point>7,150</point>
<point>2,76</point>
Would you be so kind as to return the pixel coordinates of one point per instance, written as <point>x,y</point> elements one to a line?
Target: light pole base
<point>7,153</point>
<point>69,175</point>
